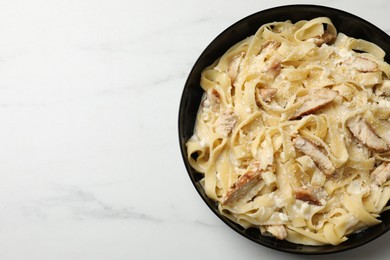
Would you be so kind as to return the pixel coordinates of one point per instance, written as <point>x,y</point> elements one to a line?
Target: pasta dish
<point>292,135</point>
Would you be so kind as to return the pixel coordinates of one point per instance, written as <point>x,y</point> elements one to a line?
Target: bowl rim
<point>189,169</point>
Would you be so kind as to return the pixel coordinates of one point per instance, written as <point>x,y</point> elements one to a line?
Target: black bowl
<point>345,22</point>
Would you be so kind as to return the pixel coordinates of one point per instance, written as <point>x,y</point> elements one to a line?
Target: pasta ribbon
<point>292,134</point>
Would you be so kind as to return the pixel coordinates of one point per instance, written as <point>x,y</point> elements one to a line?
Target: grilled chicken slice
<point>319,158</point>
<point>273,63</point>
<point>234,66</point>
<point>212,99</point>
<point>270,45</point>
<point>309,195</point>
<point>382,173</point>
<point>273,66</point>
<point>364,65</point>
<point>315,100</point>
<point>278,231</point>
<point>327,37</point>
<point>265,94</point>
<point>383,89</point>
<point>382,131</point>
<point>363,132</point>
<point>244,185</point>
<point>226,122</point>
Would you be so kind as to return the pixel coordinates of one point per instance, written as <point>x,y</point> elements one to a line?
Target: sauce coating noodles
<point>293,132</point>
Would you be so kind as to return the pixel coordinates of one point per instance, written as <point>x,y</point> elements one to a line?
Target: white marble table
<point>89,158</point>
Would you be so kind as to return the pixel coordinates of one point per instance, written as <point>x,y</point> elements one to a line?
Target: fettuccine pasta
<point>293,132</point>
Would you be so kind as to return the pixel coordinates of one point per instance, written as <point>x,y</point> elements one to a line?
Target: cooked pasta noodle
<point>293,132</point>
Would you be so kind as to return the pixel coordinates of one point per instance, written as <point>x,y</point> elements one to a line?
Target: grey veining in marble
<point>89,160</point>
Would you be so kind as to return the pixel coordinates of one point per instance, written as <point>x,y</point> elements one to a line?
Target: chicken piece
<point>273,63</point>
<point>243,185</point>
<point>270,45</point>
<point>226,122</point>
<point>364,65</point>
<point>363,132</point>
<point>315,100</point>
<point>265,94</point>
<point>382,131</point>
<point>234,66</point>
<point>383,89</point>
<point>268,93</point>
<point>278,231</point>
<point>327,37</point>
<point>273,66</point>
<point>309,195</point>
<point>212,99</point>
<point>382,173</point>
<point>319,158</point>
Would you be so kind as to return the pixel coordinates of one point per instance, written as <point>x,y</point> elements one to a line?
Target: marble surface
<point>89,161</point>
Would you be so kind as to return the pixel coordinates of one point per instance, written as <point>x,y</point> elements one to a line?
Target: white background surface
<point>89,158</point>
